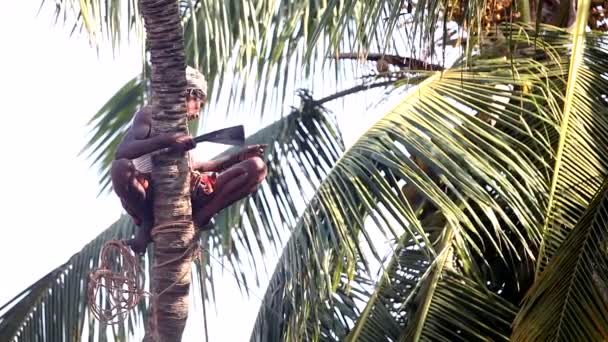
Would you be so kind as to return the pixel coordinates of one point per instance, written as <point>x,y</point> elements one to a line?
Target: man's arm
<point>217,165</point>
<point>131,148</point>
<point>137,142</point>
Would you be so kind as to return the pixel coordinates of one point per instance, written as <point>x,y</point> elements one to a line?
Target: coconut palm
<point>473,210</point>
<point>173,233</point>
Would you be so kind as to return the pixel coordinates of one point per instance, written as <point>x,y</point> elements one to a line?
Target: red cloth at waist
<point>202,186</point>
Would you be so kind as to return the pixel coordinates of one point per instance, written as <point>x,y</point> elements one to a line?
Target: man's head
<point>196,92</point>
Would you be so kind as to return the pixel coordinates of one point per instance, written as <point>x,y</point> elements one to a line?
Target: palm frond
<point>55,307</point>
<point>581,161</point>
<point>109,125</point>
<point>462,310</point>
<point>286,314</point>
<point>569,302</point>
<point>390,306</point>
<point>474,143</point>
<point>261,49</point>
<point>466,138</point>
<point>104,21</point>
<point>303,146</point>
<point>450,305</point>
<point>272,28</point>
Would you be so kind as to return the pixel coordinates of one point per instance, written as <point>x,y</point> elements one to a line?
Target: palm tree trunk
<point>173,233</point>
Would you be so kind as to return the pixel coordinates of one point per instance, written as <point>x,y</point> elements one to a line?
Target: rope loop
<point>118,281</point>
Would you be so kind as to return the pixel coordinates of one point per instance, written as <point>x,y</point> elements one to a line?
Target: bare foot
<point>203,220</point>
<point>138,246</point>
<point>142,238</point>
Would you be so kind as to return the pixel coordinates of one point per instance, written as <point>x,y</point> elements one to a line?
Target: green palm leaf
<point>570,299</point>
<point>491,180</point>
<point>303,146</point>
<point>581,161</point>
<point>259,36</point>
<point>257,50</point>
<point>109,125</point>
<point>55,307</point>
<point>450,306</point>
<point>388,308</point>
<point>290,311</point>
<point>488,180</point>
<point>462,310</point>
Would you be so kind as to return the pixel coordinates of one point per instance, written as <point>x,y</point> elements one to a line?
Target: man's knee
<point>122,167</point>
<point>122,173</point>
<point>256,167</point>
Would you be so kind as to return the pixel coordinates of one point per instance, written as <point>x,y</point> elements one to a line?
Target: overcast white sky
<point>50,86</point>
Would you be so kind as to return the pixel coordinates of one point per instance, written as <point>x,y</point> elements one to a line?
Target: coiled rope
<point>119,278</point>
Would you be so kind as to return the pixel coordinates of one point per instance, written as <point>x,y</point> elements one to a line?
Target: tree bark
<point>173,233</point>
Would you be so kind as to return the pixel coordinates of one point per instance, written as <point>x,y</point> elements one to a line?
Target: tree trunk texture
<point>560,13</point>
<point>173,233</point>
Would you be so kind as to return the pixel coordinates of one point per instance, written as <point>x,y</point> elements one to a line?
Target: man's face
<point>195,100</point>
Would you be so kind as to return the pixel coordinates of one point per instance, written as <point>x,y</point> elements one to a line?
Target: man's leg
<point>235,183</point>
<point>134,198</point>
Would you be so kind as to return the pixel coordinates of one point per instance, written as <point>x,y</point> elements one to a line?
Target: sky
<point>51,85</point>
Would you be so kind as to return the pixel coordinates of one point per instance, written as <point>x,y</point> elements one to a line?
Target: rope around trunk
<point>119,278</point>
<point>124,298</point>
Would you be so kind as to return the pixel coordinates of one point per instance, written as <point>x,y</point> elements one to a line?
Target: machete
<point>234,135</point>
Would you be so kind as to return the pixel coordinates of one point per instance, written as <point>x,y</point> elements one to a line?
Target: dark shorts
<point>202,189</point>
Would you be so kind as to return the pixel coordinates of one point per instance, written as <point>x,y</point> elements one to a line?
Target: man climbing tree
<point>214,184</point>
<point>173,231</point>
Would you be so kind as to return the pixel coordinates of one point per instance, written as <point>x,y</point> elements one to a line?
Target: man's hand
<point>179,142</point>
<point>251,151</point>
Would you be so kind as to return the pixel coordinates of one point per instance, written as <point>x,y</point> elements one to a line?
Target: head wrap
<point>196,80</point>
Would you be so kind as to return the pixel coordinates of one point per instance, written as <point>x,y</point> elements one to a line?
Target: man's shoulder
<point>142,122</point>
<point>145,112</point>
